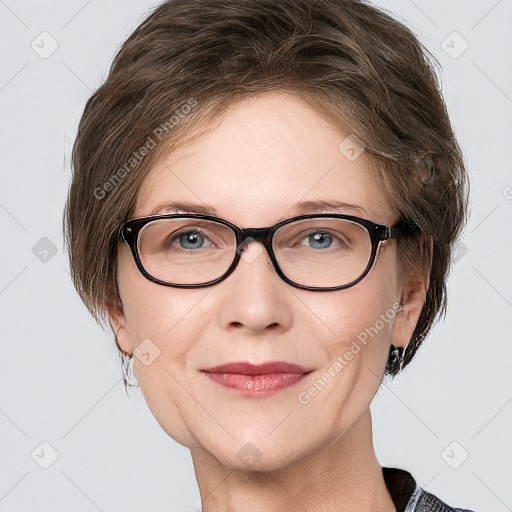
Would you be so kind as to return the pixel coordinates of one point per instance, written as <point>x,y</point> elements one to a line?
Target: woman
<point>264,203</point>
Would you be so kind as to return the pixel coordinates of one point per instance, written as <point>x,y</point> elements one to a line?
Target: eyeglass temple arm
<point>404,228</point>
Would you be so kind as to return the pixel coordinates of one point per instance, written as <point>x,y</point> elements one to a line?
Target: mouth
<point>257,380</point>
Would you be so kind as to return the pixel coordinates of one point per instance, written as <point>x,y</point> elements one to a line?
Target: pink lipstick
<point>257,380</point>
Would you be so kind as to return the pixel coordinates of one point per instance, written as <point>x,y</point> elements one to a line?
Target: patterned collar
<point>407,496</point>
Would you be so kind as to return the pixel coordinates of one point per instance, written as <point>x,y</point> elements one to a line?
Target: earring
<point>128,373</point>
<point>395,357</point>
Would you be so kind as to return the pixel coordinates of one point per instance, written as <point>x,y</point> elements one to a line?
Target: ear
<point>117,323</point>
<point>412,300</point>
<point>413,296</point>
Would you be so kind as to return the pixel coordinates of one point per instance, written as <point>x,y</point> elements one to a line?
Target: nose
<point>254,297</point>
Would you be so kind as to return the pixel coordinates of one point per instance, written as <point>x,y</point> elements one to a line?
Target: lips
<point>260,369</point>
<point>257,380</point>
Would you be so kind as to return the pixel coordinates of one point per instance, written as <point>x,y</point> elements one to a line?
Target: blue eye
<point>176,237</point>
<point>191,240</point>
<point>320,240</point>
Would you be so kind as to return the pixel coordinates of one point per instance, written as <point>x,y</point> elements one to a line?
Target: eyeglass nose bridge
<point>263,235</point>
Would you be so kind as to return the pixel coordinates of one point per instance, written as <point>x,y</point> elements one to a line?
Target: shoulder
<point>408,496</point>
<point>423,501</point>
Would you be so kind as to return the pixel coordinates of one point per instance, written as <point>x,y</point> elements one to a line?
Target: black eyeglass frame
<point>129,233</point>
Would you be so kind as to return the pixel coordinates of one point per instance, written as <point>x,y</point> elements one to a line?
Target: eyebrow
<point>301,208</point>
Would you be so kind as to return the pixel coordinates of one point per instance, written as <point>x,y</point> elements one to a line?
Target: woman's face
<point>268,155</point>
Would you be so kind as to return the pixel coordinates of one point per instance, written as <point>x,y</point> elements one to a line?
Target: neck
<point>343,476</point>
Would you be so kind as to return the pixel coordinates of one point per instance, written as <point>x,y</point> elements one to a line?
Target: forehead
<point>266,155</point>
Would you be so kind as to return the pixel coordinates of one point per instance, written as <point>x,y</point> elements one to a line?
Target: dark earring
<point>395,358</point>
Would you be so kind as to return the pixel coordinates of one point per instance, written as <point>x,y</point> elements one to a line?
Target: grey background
<point>59,372</point>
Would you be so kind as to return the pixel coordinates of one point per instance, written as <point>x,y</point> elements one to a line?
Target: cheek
<point>172,320</point>
<point>160,313</point>
<point>163,325</point>
<point>350,315</point>
<point>353,332</point>
<point>341,316</point>
<point>355,348</point>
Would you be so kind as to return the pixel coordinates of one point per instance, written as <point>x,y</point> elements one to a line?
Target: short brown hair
<point>353,62</point>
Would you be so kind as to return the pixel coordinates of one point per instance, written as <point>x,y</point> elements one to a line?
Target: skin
<point>253,166</point>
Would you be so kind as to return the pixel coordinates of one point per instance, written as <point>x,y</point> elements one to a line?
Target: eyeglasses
<point>318,252</point>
